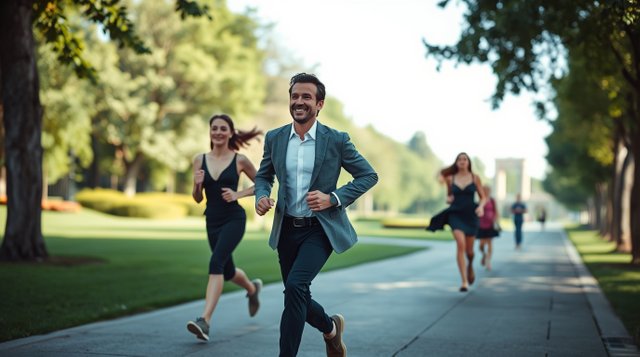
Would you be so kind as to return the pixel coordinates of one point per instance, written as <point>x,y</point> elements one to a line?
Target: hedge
<point>157,205</point>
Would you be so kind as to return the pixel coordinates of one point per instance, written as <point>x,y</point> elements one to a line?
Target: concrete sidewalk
<point>540,301</point>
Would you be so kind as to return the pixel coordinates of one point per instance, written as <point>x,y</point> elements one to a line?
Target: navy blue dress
<point>461,214</point>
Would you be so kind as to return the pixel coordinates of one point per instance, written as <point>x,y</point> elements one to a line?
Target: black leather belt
<point>301,222</point>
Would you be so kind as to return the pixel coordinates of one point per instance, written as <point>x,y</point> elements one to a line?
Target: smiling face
<point>220,132</point>
<point>463,162</point>
<point>303,103</point>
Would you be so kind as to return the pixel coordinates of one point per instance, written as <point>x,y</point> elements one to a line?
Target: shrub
<point>100,199</point>
<point>405,222</point>
<point>149,209</point>
<point>192,208</point>
<point>158,205</point>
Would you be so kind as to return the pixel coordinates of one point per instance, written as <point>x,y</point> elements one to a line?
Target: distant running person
<point>463,213</point>
<point>489,229</point>
<point>518,209</point>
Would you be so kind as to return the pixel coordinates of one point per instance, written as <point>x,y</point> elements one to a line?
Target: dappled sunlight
<point>392,285</point>
<point>570,285</point>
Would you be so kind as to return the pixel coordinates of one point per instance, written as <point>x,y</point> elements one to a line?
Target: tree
<point>527,41</point>
<point>583,137</point>
<point>66,122</point>
<point>22,110</point>
<point>155,108</point>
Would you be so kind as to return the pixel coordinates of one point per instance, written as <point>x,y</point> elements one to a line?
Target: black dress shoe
<point>463,289</point>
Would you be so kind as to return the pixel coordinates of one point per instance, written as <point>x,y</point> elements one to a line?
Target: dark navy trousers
<point>302,252</point>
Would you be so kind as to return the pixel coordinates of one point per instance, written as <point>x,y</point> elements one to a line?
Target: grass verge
<point>375,228</point>
<point>619,280</point>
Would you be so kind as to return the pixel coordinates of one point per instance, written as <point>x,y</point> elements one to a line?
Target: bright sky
<point>370,56</point>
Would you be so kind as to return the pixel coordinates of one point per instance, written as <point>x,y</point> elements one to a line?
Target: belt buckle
<point>299,222</point>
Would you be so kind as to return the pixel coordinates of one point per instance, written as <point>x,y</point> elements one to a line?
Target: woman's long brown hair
<point>239,138</point>
<point>453,169</point>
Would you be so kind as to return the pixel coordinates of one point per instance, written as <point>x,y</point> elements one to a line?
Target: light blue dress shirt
<point>301,156</point>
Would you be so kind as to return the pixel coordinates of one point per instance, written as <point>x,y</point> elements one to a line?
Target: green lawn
<point>373,228</point>
<point>619,280</point>
<point>107,266</point>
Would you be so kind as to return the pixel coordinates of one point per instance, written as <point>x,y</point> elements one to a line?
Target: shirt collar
<point>311,133</point>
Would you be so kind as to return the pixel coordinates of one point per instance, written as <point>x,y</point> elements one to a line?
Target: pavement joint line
<point>443,315</point>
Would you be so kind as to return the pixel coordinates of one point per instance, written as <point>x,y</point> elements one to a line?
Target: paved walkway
<point>540,301</point>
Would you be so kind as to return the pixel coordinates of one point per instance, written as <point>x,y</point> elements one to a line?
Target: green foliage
<point>567,189</point>
<point>152,108</point>
<point>157,107</point>
<point>525,41</point>
<point>586,53</point>
<point>192,8</point>
<point>66,122</point>
<point>582,137</point>
<point>400,170</point>
<point>51,19</point>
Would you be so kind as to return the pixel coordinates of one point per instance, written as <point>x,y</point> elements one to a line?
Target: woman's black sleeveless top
<point>218,210</point>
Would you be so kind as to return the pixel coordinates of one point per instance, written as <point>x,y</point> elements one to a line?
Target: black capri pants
<point>223,240</point>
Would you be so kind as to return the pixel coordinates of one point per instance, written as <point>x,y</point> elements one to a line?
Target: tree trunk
<point>624,244</point>
<point>171,182</point>
<point>133,169</point>
<point>596,209</point>
<point>590,213</point>
<point>634,210</point>
<point>602,190</point>
<point>23,125</point>
<point>617,181</point>
<point>93,174</point>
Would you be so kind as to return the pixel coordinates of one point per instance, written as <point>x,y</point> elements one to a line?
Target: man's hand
<point>264,205</point>
<point>318,201</point>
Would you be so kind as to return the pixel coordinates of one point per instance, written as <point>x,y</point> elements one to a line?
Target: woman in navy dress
<point>463,213</point>
<point>217,172</point>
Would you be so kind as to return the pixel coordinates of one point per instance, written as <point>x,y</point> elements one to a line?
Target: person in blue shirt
<point>518,209</point>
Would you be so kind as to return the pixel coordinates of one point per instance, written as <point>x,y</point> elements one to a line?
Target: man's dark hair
<point>308,78</point>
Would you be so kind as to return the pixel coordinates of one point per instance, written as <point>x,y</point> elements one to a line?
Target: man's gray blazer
<point>334,151</point>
